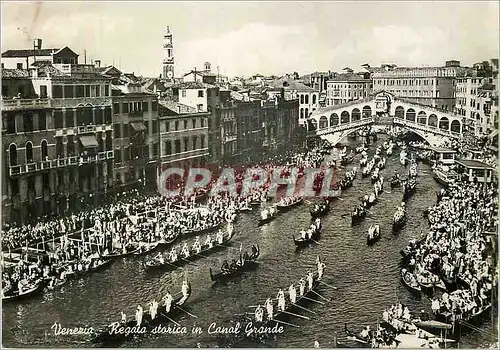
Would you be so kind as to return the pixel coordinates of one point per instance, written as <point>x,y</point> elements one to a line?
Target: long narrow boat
<point>357,216</point>
<point>34,288</point>
<point>355,337</point>
<point>107,335</point>
<point>398,221</point>
<point>134,248</point>
<point>285,207</point>
<point>270,216</point>
<point>248,265</point>
<point>168,264</point>
<point>373,234</point>
<point>203,229</point>
<point>322,209</point>
<point>303,242</point>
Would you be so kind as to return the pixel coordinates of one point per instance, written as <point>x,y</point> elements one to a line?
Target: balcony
<point>73,102</point>
<point>21,104</point>
<point>16,170</point>
<point>87,159</point>
<point>45,165</point>
<point>61,162</point>
<point>73,160</point>
<point>184,155</point>
<point>31,167</point>
<point>229,138</point>
<point>110,154</point>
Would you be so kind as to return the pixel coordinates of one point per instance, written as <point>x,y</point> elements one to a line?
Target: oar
<point>303,308</point>
<point>190,314</point>
<point>189,262</point>
<point>322,297</point>
<point>326,284</point>
<point>176,323</point>
<point>340,199</point>
<point>296,315</point>
<point>316,301</point>
<point>315,241</point>
<point>286,323</point>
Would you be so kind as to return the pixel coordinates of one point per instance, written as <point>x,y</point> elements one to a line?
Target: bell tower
<point>168,56</point>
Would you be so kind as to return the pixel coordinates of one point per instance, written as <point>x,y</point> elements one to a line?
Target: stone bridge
<point>333,123</point>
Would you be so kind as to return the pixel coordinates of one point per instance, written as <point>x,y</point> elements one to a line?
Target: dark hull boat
<point>106,336</point>
<point>181,261</point>
<point>322,210</point>
<point>31,291</point>
<point>398,222</point>
<point>268,219</point>
<point>409,190</point>
<point>285,207</point>
<point>168,240</point>
<point>249,264</point>
<point>372,238</point>
<point>200,230</point>
<point>115,254</point>
<point>300,242</point>
<point>357,217</point>
<point>395,183</point>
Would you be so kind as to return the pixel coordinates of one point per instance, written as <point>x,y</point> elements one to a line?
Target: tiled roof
<point>201,73</point>
<point>15,73</point>
<point>290,85</point>
<point>195,85</point>
<point>28,53</point>
<point>175,106</point>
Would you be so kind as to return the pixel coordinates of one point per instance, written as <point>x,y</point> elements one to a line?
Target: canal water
<point>366,279</point>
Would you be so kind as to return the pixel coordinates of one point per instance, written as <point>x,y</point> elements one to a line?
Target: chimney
<point>98,63</point>
<point>38,44</point>
<point>179,109</point>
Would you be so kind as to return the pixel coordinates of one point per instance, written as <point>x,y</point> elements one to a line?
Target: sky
<point>245,38</point>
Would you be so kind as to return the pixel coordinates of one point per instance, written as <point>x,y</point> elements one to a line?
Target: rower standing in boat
<point>318,224</point>
<point>259,314</point>
<point>220,237</point>
<point>321,267</point>
<point>303,234</point>
<point>310,280</point>
<point>124,317</point>
<point>173,254</point>
<point>209,242</point>
<point>302,287</point>
<point>269,308</point>
<point>185,251</point>
<point>225,267</point>
<point>292,293</point>
<point>153,308</point>
<point>233,266</point>
<point>138,315</point>
<point>281,300</point>
<point>185,289</point>
<point>254,250</point>
<point>168,302</point>
<point>197,245</point>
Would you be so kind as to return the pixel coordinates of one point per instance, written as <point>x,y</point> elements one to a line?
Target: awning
<point>89,141</point>
<point>138,126</point>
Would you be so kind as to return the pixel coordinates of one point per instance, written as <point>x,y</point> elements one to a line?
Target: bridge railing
<point>427,128</point>
<point>342,127</point>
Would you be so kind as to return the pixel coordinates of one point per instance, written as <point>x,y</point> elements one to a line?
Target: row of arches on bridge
<point>421,118</point>
<point>345,118</point>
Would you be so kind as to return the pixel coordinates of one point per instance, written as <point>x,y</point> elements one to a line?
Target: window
<point>98,90</point>
<point>200,108</point>
<point>13,154</point>
<point>87,90</point>
<point>29,152</point>
<point>99,116</point>
<point>118,131</point>
<point>68,91</point>
<point>9,123</point>
<point>202,141</point>
<point>70,118</point>
<point>19,66</point>
<point>125,107</point>
<point>58,119</point>
<point>116,108</point>
<point>107,115</point>
<point>185,124</point>
<point>177,146</point>
<point>194,123</point>
<point>28,122</point>
<point>154,106</point>
<point>70,146</point>
<point>43,91</point>
<point>168,148</point>
<point>155,126</point>
<point>183,93</point>
<point>126,130</point>
<point>185,144</point>
<point>57,91</point>
<point>44,150</point>
<point>145,106</point>
<point>106,90</point>
<point>176,125</point>
<point>200,93</point>
<point>80,91</point>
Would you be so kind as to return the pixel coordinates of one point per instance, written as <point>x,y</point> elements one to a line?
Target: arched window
<point>301,113</point>
<point>313,125</point>
<point>195,139</point>
<point>314,99</point>
<point>410,115</point>
<point>399,112</point>
<point>422,118</point>
<point>344,117</point>
<point>433,120</point>
<point>59,148</point>
<point>356,114</point>
<point>13,154</point>
<point>444,123</point>
<point>455,126</point>
<point>334,119</point>
<point>301,99</point>
<point>323,122</point>
<point>307,99</point>
<point>29,152</point>
<point>44,150</point>
<point>307,112</point>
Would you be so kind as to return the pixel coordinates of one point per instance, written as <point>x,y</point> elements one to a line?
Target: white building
<point>23,59</point>
<point>197,95</point>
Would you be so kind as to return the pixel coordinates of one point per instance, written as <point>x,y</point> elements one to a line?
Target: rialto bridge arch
<point>335,122</point>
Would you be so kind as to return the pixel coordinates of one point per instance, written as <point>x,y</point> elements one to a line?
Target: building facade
<point>348,87</point>
<point>430,86</point>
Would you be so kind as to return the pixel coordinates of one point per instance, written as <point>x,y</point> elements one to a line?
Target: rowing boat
<point>357,216</point>
<point>34,288</point>
<point>168,264</point>
<point>203,229</point>
<point>285,207</point>
<point>410,280</point>
<point>106,335</point>
<point>322,209</point>
<point>249,264</point>
<point>303,242</point>
<point>373,234</point>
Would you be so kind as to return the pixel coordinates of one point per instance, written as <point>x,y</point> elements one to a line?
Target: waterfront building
<point>430,86</point>
<point>57,137</point>
<point>347,87</point>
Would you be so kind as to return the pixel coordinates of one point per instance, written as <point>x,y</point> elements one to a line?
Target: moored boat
<point>410,280</point>
<point>30,290</point>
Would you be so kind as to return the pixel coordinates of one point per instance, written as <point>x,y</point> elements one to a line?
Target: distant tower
<point>208,68</point>
<point>168,56</point>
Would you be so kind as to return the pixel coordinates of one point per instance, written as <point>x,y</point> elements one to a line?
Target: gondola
<point>374,177</point>
<point>322,209</point>
<point>346,160</point>
<point>409,189</point>
<point>357,216</point>
<point>168,240</point>
<point>131,249</point>
<point>395,182</point>
<point>204,229</point>
<point>285,207</point>
<point>302,242</point>
<point>107,336</point>
<point>148,248</point>
<point>249,264</point>
<point>104,263</point>
<point>170,265</point>
<point>371,200</point>
<point>410,280</point>
<point>373,234</point>
<point>35,288</point>
<point>355,337</point>
<point>270,217</point>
